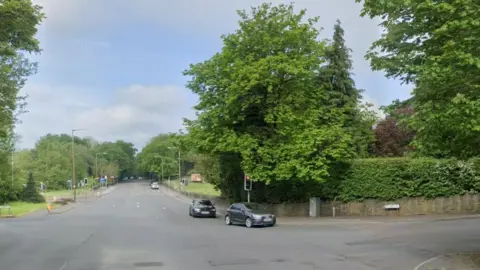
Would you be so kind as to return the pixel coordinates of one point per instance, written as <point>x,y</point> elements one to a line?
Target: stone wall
<point>465,204</point>
<point>281,210</point>
<point>289,209</point>
<point>460,204</point>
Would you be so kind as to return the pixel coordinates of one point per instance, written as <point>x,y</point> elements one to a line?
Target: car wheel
<point>189,212</point>
<point>248,222</point>
<point>227,220</point>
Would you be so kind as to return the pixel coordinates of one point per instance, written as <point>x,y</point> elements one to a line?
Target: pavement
<point>136,228</point>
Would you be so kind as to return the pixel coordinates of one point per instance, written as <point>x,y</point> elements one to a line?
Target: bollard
<point>49,207</point>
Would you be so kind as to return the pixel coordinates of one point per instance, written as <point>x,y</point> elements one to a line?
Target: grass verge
<point>21,208</point>
<point>199,188</point>
<point>66,193</point>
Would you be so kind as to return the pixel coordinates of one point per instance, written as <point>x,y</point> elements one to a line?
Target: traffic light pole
<point>247,185</point>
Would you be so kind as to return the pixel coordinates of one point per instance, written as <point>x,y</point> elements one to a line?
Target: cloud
<point>205,19</point>
<point>146,107</point>
<point>134,114</point>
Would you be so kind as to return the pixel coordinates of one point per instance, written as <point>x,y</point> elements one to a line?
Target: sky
<point>114,67</point>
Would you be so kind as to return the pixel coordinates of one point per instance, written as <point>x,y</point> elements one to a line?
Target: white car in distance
<point>154,185</point>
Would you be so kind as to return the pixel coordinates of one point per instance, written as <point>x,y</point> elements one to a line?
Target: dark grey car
<point>202,208</point>
<point>249,214</point>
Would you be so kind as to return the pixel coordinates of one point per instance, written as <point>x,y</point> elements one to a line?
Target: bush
<point>394,178</point>
<point>30,192</point>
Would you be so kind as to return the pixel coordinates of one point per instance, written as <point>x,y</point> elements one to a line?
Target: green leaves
<point>163,149</point>
<point>260,100</point>
<point>434,44</point>
<point>395,178</point>
<point>18,27</point>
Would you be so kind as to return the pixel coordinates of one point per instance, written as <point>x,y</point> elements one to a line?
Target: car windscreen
<point>205,202</point>
<point>254,206</point>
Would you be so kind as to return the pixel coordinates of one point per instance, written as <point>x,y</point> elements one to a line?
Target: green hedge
<point>394,178</point>
<point>379,178</point>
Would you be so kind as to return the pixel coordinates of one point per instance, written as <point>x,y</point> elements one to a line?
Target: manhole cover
<point>148,264</point>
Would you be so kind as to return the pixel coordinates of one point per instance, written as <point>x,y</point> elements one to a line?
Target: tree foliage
<point>395,178</point>
<point>260,98</point>
<point>160,155</point>
<point>18,26</point>
<point>51,160</point>
<point>336,77</point>
<point>393,135</point>
<point>434,44</point>
<point>30,192</point>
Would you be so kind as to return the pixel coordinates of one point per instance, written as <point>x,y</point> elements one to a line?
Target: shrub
<point>30,192</point>
<point>394,178</point>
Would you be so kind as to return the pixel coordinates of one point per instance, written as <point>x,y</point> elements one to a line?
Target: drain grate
<point>148,264</point>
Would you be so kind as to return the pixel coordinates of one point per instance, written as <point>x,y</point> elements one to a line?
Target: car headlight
<point>214,210</point>
<point>196,210</point>
<point>256,216</point>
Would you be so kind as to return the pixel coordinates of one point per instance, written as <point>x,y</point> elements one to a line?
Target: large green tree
<point>114,158</point>
<point>161,154</point>
<point>260,97</point>
<point>51,159</point>
<point>19,20</point>
<point>336,77</point>
<point>434,44</point>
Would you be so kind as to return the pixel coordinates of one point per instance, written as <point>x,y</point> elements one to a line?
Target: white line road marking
<point>433,259</point>
<point>63,266</point>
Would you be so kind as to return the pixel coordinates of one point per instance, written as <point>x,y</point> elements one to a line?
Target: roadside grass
<point>58,193</point>
<point>199,188</point>
<point>21,208</point>
<point>65,192</point>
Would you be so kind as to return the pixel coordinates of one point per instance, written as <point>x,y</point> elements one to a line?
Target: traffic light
<point>247,183</point>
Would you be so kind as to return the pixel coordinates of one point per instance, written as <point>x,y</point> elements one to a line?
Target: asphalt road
<point>134,227</point>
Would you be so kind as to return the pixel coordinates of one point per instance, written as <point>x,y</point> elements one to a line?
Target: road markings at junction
<point>421,265</point>
<point>63,266</point>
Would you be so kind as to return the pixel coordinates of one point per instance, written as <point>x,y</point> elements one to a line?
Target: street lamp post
<point>179,166</point>
<point>179,163</point>
<point>13,152</point>
<point>162,172</point>
<point>161,158</point>
<point>73,164</point>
